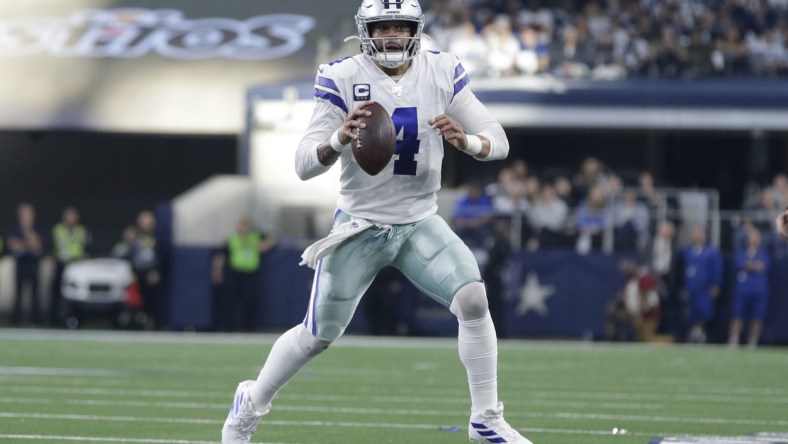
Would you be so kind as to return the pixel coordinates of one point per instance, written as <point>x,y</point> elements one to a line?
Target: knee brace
<point>470,302</point>
<point>310,345</point>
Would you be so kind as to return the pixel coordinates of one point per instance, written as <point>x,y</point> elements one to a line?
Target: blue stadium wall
<point>574,290</point>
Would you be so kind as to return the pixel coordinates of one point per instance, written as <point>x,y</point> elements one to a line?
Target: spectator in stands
<point>699,55</point>
<point>647,191</point>
<point>534,55</point>
<point>591,221</point>
<point>520,169</point>
<point>763,212</point>
<point>780,184</point>
<point>781,224</point>
<point>71,241</point>
<point>632,52</point>
<point>471,49</point>
<point>630,222</point>
<point>237,268</point>
<point>144,258</point>
<point>472,215</point>
<point>508,194</point>
<point>122,248</point>
<point>768,53</point>
<point>533,188</point>
<point>663,259</point>
<point>535,14</point>
<point>731,52</point>
<point>669,56</point>
<point>606,65</point>
<point>590,174</point>
<point>26,244</point>
<point>662,253</point>
<point>547,217</point>
<point>598,22</point>
<point>509,200</point>
<point>502,47</point>
<point>759,214</point>
<point>703,269</point>
<point>752,289</point>
<point>640,300</point>
<point>675,39</point>
<point>572,55</point>
<point>564,191</point>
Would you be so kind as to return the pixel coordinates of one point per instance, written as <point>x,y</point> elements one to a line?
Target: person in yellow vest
<point>236,270</point>
<point>70,242</point>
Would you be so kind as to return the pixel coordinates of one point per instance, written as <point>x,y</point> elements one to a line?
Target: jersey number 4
<point>406,124</point>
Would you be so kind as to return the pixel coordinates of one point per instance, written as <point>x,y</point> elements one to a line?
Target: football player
<point>390,219</point>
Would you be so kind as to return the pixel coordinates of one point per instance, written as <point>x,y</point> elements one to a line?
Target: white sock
<point>478,348</point>
<point>284,361</point>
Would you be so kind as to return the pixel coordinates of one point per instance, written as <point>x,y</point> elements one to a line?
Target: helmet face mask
<point>376,11</point>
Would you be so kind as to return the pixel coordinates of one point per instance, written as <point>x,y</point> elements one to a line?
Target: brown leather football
<point>375,145</point>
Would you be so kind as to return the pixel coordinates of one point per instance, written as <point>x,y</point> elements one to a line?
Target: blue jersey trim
<point>460,84</point>
<point>333,98</point>
<point>332,95</point>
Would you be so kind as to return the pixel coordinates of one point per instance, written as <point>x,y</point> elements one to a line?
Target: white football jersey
<point>405,191</point>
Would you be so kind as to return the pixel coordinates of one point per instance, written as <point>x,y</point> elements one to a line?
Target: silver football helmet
<point>373,11</point>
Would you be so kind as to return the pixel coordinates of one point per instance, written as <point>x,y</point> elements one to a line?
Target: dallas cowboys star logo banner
<point>560,293</point>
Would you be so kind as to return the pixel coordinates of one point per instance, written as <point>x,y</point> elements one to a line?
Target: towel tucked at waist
<point>321,248</point>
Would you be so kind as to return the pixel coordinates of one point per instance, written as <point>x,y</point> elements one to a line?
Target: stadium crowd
<point>614,39</point>
<point>673,265</point>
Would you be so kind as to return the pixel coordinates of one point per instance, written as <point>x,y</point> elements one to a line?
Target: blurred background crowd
<point>581,193</point>
<point>614,39</point>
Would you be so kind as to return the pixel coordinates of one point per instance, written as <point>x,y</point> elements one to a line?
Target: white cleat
<point>490,428</point>
<point>242,420</point>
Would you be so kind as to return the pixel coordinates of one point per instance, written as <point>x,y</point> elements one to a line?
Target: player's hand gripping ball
<point>375,144</point>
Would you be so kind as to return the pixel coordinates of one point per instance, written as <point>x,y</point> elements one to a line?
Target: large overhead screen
<point>155,66</point>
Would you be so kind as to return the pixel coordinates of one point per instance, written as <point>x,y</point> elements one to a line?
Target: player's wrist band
<point>474,145</point>
<point>335,143</point>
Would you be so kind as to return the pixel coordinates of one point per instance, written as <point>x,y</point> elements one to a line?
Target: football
<point>375,145</point>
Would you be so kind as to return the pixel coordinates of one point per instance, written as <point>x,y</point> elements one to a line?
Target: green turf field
<point>61,386</point>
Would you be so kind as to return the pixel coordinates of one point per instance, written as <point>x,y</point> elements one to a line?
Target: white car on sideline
<point>101,287</point>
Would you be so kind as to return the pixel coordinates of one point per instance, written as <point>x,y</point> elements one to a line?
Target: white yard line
<point>589,398</point>
<point>403,411</point>
<point>282,423</point>
<point>606,418</point>
<point>221,406</point>
<point>105,439</point>
<point>100,439</point>
<point>62,371</point>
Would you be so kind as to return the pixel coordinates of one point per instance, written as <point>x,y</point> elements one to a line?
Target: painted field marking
<point>100,439</point>
<point>206,405</point>
<point>106,439</point>
<point>286,423</point>
<point>332,409</point>
<point>608,397</point>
